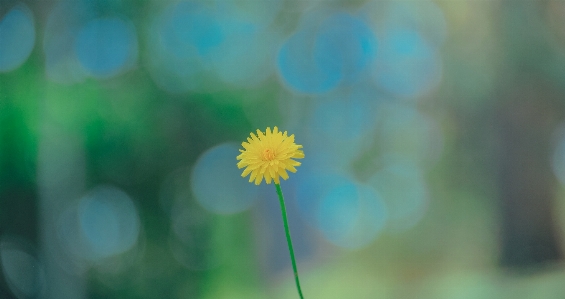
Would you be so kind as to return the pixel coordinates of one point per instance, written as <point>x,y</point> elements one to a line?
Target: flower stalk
<point>288,239</point>
<point>268,156</point>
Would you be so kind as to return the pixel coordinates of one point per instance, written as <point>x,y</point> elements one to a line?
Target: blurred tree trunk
<point>526,120</point>
<point>530,106</point>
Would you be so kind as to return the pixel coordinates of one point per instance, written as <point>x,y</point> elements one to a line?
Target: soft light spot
<point>109,222</point>
<point>558,159</point>
<point>407,66</point>
<point>217,184</point>
<point>17,37</point>
<point>21,270</point>
<point>352,215</point>
<point>405,193</point>
<point>106,46</point>
<point>325,51</point>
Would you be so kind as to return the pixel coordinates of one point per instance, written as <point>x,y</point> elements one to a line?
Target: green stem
<point>288,240</point>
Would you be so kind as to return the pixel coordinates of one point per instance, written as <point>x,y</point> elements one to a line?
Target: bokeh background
<point>433,133</point>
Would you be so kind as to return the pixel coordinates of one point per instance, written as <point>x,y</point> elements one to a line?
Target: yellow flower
<point>269,155</point>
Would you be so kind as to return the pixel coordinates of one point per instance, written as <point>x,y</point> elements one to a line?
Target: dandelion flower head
<point>269,155</point>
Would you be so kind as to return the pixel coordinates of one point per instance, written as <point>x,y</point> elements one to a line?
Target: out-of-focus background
<point>433,131</point>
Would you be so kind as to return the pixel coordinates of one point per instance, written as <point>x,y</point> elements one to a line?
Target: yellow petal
<point>254,138</point>
<point>263,168</point>
<point>253,175</point>
<point>283,174</point>
<point>260,135</point>
<point>291,168</point>
<point>246,171</point>
<point>293,163</point>
<point>258,179</point>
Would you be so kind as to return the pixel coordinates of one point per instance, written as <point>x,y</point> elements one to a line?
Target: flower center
<point>268,154</point>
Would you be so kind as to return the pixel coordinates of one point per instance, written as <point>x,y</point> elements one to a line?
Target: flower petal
<point>258,179</point>
<point>283,174</point>
<point>246,171</point>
